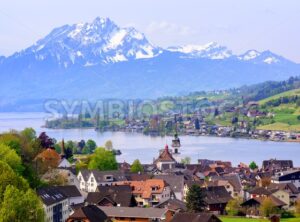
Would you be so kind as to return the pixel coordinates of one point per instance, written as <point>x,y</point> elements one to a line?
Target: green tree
<point>10,156</point>
<point>9,177</point>
<point>85,150</point>
<point>91,145</point>
<point>12,140</point>
<point>233,207</point>
<point>80,165</point>
<point>136,167</point>
<point>267,207</point>
<point>19,205</point>
<point>103,159</point>
<point>195,199</point>
<point>29,134</point>
<point>253,165</point>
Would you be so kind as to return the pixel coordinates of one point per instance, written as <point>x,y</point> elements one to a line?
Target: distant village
<point>237,121</point>
<point>159,191</point>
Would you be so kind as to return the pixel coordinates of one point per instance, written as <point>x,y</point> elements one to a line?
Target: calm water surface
<point>145,148</point>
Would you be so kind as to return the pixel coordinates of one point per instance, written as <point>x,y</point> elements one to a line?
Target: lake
<point>145,148</point>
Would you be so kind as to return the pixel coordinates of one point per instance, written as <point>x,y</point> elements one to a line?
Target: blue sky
<point>238,24</point>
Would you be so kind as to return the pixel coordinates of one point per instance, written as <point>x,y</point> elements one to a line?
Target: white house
<point>83,177</point>
<point>55,204</point>
<point>90,179</point>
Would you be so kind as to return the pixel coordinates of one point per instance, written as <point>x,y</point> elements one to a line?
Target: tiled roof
<point>195,217</point>
<point>85,174</point>
<point>259,200</point>
<point>216,195</point>
<point>146,188</point>
<point>165,156</point>
<point>260,191</point>
<point>283,186</point>
<point>173,205</point>
<point>100,176</point>
<point>176,182</point>
<point>90,212</point>
<point>118,195</point>
<point>134,212</point>
<point>69,191</point>
<point>233,179</point>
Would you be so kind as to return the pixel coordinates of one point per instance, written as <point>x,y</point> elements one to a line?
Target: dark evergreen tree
<point>195,199</point>
<point>197,124</point>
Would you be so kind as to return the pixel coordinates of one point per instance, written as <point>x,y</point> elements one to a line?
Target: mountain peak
<point>267,57</point>
<point>98,42</point>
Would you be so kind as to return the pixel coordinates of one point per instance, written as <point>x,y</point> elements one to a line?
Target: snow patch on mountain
<point>249,55</point>
<point>271,60</point>
<point>211,50</point>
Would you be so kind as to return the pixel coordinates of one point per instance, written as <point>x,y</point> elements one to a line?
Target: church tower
<point>176,144</point>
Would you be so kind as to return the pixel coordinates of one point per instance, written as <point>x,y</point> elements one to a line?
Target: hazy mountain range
<point>102,60</point>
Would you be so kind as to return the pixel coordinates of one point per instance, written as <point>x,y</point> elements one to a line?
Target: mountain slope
<point>102,60</point>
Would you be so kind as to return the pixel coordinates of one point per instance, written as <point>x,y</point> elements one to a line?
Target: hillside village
<point>158,192</point>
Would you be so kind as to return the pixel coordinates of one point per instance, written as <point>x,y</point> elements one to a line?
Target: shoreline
<point>180,134</point>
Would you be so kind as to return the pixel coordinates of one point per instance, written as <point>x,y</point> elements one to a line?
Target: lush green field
<point>239,219</point>
<point>286,115</point>
<point>287,93</point>
<point>280,127</point>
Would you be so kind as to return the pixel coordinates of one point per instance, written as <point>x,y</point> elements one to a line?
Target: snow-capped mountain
<point>102,60</point>
<point>88,44</point>
<point>258,57</point>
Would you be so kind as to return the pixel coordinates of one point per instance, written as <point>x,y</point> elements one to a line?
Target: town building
<point>88,213</point>
<point>55,203</point>
<point>114,196</point>
<point>121,214</point>
<point>165,160</point>
<point>291,176</point>
<point>149,192</point>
